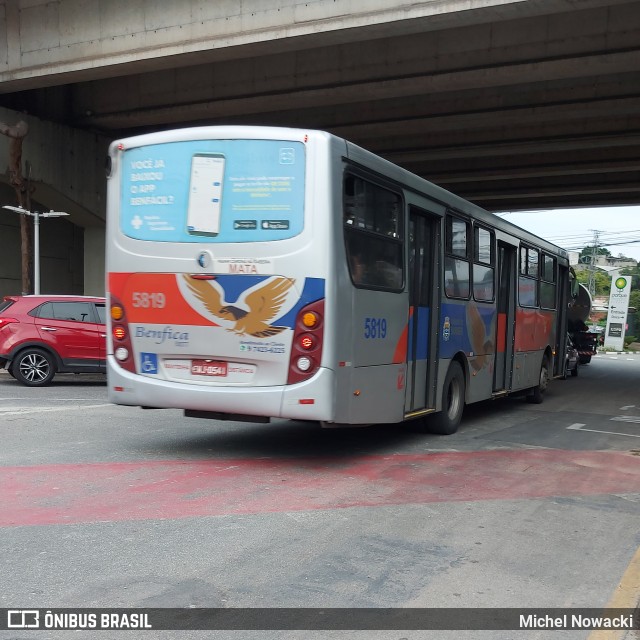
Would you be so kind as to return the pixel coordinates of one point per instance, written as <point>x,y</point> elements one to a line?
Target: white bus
<point>258,273</point>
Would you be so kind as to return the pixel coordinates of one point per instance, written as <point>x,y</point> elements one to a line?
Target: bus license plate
<point>208,368</point>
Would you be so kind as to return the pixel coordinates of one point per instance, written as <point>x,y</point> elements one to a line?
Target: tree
<point>587,252</point>
<point>22,187</point>
<point>634,272</point>
<point>602,281</point>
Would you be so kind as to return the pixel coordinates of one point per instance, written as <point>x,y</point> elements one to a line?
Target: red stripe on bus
<point>131,288</point>
<point>501,335</point>
<point>534,329</point>
<point>400,354</point>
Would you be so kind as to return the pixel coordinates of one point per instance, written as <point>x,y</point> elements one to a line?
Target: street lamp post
<point>36,215</point>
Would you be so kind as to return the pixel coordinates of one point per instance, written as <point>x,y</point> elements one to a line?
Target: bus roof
<point>355,154</point>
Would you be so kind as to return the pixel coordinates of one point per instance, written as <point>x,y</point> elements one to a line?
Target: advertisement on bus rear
<point>213,191</point>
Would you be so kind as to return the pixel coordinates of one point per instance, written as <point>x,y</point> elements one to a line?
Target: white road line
<point>22,412</point>
<point>29,399</point>
<point>626,419</point>
<point>579,427</point>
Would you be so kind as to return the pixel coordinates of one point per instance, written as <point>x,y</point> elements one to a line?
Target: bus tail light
<point>306,350</point>
<point>117,312</point>
<point>119,332</point>
<point>120,338</point>
<point>307,341</point>
<point>304,363</point>
<point>310,319</point>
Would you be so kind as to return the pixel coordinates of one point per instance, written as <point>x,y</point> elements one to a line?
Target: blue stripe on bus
<point>312,291</point>
<point>467,329</point>
<point>420,316</point>
<point>235,285</point>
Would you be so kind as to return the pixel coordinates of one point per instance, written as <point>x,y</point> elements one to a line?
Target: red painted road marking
<point>73,493</point>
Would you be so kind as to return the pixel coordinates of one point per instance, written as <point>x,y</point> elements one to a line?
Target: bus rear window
<point>213,191</point>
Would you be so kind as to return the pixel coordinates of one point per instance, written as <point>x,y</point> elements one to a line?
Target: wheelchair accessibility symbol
<point>148,362</point>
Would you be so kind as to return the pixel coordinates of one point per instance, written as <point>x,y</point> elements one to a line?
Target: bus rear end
<point>217,271</point>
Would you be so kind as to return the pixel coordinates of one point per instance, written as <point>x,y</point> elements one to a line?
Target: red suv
<point>42,335</point>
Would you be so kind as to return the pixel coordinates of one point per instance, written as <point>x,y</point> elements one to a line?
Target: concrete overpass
<point>513,104</point>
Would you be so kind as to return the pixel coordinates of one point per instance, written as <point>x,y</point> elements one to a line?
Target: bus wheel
<point>447,421</point>
<point>537,393</point>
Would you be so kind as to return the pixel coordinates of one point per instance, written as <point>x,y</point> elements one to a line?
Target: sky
<point>573,229</point>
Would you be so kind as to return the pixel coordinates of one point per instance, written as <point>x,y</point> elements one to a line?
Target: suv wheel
<point>33,368</point>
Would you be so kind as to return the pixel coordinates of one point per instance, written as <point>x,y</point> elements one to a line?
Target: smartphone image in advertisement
<point>205,193</point>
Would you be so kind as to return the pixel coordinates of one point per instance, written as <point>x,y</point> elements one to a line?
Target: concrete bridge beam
<point>67,174</point>
<point>46,42</point>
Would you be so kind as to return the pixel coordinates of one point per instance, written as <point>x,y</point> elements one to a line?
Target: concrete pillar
<point>94,263</point>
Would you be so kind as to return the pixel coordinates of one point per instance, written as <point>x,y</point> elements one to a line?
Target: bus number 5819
<point>375,328</point>
<point>144,299</point>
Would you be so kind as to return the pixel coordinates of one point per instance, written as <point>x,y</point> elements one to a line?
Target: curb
<point>618,353</point>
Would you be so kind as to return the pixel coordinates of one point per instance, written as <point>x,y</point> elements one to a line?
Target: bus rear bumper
<point>310,400</point>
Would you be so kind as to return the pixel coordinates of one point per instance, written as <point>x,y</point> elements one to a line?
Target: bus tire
<point>537,393</point>
<point>446,422</point>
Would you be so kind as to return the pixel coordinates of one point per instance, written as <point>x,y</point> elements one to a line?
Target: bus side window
<point>372,228</point>
<point>483,264</point>
<point>457,268</point>
<point>528,278</point>
<point>548,282</point>
<point>357,262</point>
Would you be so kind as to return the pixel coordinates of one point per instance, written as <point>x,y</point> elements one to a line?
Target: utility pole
<point>592,265</point>
<point>36,215</point>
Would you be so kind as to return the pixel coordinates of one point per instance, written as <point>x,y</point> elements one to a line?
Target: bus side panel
<point>378,357</point>
<point>535,332</point>
<point>378,322</point>
<point>377,394</point>
<point>535,329</point>
<point>469,328</point>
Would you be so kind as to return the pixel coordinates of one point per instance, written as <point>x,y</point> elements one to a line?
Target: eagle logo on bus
<point>254,309</point>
